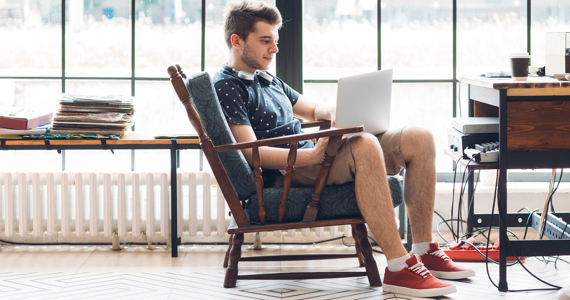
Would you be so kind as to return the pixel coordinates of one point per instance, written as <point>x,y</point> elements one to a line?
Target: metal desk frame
<point>516,160</point>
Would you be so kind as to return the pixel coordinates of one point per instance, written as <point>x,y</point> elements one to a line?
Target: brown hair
<point>241,16</point>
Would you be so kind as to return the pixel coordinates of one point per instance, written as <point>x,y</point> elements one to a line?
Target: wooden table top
<point>133,138</point>
<point>509,83</point>
<point>534,86</point>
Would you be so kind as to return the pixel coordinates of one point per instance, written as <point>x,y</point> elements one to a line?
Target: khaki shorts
<point>343,168</point>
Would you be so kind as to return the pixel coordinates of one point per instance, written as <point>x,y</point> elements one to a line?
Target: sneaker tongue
<point>413,260</point>
<point>433,246</point>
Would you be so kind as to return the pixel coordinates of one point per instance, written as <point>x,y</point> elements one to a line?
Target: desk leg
<point>132,160</point>
<point>62,160</point>
<point>502,201</point>
<point>470,202</point>
<point>201,159</point>
<point>174,202</point>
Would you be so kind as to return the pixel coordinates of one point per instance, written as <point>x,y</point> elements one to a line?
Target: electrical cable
<point>456,235</point>
<point>453,196</point>
<point>554,191</point>
<point>459,97</point>
<point>462,192</point>
<point>545,209</point>
<point>528,222</point>
<point>460,206</point>
<point>503,227</point>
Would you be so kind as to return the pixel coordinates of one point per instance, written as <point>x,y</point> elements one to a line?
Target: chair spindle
<point>258,184</point>
<point>321,181</point>
<point>287,181</point>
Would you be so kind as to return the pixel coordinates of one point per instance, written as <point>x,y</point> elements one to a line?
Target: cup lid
<point>524,55</point>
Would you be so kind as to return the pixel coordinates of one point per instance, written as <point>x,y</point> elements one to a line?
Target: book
<point>92,117</point>
<point>80,131</point>
<point>24,119</point>
<point>97,98</point>
<point>91,124</point>
<point>177,136</point>
<point>38,130</point>
<point>94,114</point>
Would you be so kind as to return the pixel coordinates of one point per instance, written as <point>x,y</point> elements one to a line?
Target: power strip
<point>465,252</point>
<point>484,153</point>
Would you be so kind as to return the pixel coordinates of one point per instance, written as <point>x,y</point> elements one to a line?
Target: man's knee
<point>366,147</point>
<point>417,140</point>
<point>365,142</point>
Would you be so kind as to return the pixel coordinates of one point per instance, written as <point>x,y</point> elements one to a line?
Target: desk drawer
<point>538,125</point>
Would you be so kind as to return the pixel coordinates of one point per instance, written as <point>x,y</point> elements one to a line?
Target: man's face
<point>261,45</point>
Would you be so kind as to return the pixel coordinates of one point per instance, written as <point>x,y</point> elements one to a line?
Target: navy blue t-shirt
<point>267,108</point>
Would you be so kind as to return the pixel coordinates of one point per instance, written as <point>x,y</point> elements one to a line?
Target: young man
<point>258,105</point>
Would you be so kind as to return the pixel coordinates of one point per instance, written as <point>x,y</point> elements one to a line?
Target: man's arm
<point>276,158</point>
<point>313,111</point>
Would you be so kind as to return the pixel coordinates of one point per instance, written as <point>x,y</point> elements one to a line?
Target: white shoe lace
<point>439,253</point>
<point>420,269</point>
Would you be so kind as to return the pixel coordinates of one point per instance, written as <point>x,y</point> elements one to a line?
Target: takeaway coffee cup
<point>519,66</point>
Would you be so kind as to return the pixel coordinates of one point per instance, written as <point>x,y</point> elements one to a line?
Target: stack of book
<point>86,114</point>
<point>16,122</point>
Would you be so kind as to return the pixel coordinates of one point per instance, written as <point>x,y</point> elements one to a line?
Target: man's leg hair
<point>373,194</point>
<point>418,149</point>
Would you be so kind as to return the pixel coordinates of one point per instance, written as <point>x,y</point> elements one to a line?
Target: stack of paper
<point>87,114</point>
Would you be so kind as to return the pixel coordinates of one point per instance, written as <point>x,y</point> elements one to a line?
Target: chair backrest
<point>201,86</point>
<point>207,105</point>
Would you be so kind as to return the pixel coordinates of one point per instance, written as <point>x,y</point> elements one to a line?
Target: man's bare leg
<point>418,149</point>
<point>373,194</point>
<point>405,274</point>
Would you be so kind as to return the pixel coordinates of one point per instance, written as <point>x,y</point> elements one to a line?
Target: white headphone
<point>247,77</point>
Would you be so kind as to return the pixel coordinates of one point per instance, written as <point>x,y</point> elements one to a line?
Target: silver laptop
<point>365,100</point>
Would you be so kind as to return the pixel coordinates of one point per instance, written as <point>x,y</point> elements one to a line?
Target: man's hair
<point>240,17</point>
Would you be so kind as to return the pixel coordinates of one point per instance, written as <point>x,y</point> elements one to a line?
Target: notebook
<point>365,100</point>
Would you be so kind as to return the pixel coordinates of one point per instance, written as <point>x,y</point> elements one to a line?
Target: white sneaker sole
<point>419,292</point>
<point>453,275</point>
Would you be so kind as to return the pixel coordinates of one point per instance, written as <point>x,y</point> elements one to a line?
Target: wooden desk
<point>133,141</point>
<point>534,133</point>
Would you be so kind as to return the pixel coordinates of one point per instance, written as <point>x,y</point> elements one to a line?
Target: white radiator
<point>92,206</point>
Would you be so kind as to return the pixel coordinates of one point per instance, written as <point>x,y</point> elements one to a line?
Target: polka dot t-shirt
<point>267,108</point>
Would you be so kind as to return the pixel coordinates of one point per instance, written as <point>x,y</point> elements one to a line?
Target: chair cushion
<point>206,102</point>
<point>337,201</point>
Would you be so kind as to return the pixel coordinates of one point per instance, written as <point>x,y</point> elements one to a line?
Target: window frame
<point>289,62</point>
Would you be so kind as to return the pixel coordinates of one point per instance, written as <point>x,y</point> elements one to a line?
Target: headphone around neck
<point>247,77</point>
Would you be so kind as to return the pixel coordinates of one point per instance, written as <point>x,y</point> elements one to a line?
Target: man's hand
<point>325,111</point>
<point>318,152</point>
<point>321,145</point>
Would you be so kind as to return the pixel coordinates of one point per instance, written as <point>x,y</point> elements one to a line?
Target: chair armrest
<point>324,124</point>
<point>289,138</point>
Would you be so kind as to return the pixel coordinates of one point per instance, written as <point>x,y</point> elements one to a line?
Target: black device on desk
<point>471,133</point>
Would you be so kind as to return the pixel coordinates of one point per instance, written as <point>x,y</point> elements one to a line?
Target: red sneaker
<point>441,266</point>
<point>415,280</point>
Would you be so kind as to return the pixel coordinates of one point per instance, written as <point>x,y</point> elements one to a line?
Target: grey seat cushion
<point>337,201</point>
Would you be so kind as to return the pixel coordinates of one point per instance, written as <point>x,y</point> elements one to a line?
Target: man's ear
<point>236,41</point>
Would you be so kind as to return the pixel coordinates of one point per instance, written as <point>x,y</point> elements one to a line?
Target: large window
<point>431,45</point>
<point>124,47</point>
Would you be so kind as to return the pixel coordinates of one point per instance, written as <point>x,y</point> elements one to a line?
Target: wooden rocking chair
<point>258,209</point>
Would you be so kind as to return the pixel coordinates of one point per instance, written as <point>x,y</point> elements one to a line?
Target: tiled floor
<point>66,272</point>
